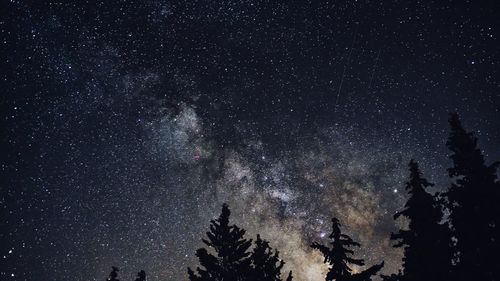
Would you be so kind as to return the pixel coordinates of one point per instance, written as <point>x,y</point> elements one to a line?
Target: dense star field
<point>127,124</point>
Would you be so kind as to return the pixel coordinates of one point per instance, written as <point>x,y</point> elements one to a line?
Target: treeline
<point>453,235</point>
<point>113,276</point>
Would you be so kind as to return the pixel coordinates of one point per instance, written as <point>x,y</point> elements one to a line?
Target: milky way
<point>127,125</point>
<point>290,197</point>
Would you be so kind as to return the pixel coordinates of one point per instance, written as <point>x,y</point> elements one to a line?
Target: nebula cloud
<point>290,197</point>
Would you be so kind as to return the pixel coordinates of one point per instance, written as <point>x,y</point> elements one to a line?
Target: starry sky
<point>126,124</point>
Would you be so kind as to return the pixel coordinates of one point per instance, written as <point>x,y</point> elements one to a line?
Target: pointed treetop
<point>335,228</point>
<point>416,179</point>
<point>339,257</point>
<point>228,255</point>
<point>266,263</point>
<point>455,122</point>
<point>467,158</point>
<point>225,213</point>
<point>141,276</point>
<point>114,274</point>
<point>425,240</point>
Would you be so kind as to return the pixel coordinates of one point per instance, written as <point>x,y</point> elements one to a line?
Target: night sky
<point>126,124</point>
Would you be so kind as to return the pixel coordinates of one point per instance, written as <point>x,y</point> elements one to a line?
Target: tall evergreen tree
<point>113,276</point>
<point>228,259</point>
<point>266,264</point>
<point>141,276</point>
<point>426,241</point>
<point>339,257</point>
<point>473,199</point>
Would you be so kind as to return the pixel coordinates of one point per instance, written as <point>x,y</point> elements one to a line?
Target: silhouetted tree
<point>230,258</point>
<point>473,201</point>
<point>339,257</point>
<point>141,276</point>
<point>266,264</point>
<point>113,276</point>
<point>393,277</point>
<point>427,241</point>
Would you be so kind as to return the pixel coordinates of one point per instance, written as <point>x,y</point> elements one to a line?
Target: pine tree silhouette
<point>141,276</point>
<point>266,265</point>
<point>231,261</point>
<point>339,257</point>
<point>473,201</point>
<point>427,241</point>
<point>393,277</point>
<point>113,276</point>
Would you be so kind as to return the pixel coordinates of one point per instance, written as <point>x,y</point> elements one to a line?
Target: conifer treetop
<point>339,256</point>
